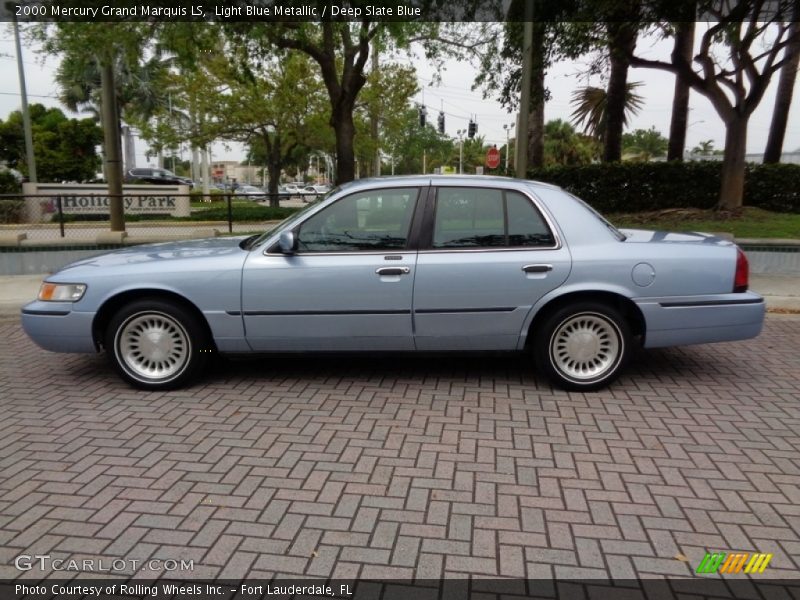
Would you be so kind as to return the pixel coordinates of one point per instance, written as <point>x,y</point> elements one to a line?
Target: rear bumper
<point>56,327</point>
<point>678,321</point>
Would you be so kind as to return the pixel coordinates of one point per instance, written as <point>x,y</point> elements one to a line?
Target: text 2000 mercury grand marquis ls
<point>406,264</point>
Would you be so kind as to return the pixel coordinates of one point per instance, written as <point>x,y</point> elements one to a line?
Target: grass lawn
<point>751,223</point>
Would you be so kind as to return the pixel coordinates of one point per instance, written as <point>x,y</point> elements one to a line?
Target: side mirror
<point>287,242</point>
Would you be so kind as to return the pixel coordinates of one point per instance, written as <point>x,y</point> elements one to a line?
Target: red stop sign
<point>493,158</point>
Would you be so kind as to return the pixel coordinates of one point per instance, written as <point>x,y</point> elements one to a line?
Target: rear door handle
<point>537,268</point>
<point>393,271</point>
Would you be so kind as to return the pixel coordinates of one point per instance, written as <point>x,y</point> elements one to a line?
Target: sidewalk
<point>782,292</point>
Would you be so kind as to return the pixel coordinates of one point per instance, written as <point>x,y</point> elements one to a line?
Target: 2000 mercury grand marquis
<point>406,264</point>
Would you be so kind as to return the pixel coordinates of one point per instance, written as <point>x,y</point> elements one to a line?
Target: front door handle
<point>393,271</point>
<point>537,268</point>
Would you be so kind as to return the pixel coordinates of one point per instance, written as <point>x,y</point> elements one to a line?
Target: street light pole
<point>26,115</point>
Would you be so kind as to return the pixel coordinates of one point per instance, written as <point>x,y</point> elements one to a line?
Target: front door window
<point>375,220</point>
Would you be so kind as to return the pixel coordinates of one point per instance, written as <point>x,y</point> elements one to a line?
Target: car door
<point>486,256</point>
<point>349,284</point>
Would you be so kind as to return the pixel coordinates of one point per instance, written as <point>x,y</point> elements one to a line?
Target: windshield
<point>254,241</point>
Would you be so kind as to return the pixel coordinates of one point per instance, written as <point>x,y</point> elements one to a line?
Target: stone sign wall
<point>42,199</point>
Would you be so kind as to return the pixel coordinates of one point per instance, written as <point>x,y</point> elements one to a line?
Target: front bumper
<point>55,326</point>
<point>678,321</point>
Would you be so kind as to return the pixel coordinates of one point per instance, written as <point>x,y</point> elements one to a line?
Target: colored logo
<point>738,562</point>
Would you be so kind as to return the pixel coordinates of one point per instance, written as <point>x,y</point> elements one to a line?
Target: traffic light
<point>441,122</point>
<point>423,112</point>
<point>472,129</point>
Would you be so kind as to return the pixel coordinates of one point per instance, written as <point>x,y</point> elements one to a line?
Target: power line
<point>32,95</point>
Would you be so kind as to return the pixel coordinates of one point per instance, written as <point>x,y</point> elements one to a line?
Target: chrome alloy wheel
<point>153,347</point>
<point>586,346</point>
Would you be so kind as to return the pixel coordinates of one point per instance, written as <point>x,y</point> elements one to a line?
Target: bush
<point>10,211</point>
<point>773,187</point>
<point>633,187</point>
<point>9,182</point>
<point>241,212</point>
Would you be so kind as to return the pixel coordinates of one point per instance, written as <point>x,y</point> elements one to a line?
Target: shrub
<point>10,210</point>
<point>632,187</point>
<point>9,182</point>
<point>773,187</point>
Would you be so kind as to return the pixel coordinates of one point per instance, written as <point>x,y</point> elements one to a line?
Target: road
<point>402,467</point>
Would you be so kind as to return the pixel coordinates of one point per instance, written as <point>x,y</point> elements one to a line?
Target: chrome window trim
<point>536,204</point>
<point>365,253</point>
<point>521,190</point>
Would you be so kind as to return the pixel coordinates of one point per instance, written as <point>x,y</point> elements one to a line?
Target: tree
<point>105,43</point>
<point>385,98</point>
<point>277,107</point>
<point>555,36</point>
<point>682,51</point>
<point>406,143</point>
<point>592,108</point>
<point>783,97</point>
<point>473,153</point>
<point>753,33</point>
<point>704,148</point>
<point>64,148</point>
<point>621,43</point>
<point>644,144</point>
<point>565,146</point>
<point>341,50</point>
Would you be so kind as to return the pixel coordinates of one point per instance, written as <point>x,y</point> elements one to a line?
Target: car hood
<point>207,250</point>
<point>669,237</point>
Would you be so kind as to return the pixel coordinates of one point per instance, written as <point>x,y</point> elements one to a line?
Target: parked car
<point>156,176</point>
<point>406,264</point>
<point>250,192</point>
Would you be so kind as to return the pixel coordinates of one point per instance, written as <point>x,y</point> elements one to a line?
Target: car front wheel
<point>583,346</point>
<point>156,345</point>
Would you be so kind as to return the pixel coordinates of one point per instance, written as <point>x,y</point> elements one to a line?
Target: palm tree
<point>704,148</point>
<point>139,88</point>
<point>591,108</point>
<point>682,50</point>
<point>783,98</point>
<point>564,146</point>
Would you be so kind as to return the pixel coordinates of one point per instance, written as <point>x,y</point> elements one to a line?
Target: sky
<point>460,102</point>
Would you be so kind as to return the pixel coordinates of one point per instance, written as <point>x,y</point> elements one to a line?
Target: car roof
<point>456,180</point>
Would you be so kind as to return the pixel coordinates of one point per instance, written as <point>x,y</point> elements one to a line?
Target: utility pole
<point>374,111</point>
<point>521,157</point>
<point>113,146</point>
<point>26,115</point>
<point>460,133</point>
<point>508,148</point>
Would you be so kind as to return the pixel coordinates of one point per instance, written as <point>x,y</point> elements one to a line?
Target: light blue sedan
<point>406,264</point>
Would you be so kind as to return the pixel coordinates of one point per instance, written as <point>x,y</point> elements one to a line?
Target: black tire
<point>155,344</point>
<point>582,346</point>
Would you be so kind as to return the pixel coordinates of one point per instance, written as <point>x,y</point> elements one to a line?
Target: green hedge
<point>632,187</point>
<point>10,211</point>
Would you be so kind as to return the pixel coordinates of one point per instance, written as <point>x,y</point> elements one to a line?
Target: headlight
<point>61,292</point>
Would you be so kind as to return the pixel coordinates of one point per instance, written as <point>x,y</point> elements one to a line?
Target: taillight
<point>741,279</point>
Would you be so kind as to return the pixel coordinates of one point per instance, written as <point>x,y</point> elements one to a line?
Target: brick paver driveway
<point>406,467</point>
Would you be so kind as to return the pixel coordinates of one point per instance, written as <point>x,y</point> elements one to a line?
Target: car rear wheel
<point>583,346</point>
<point>156,345</point>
